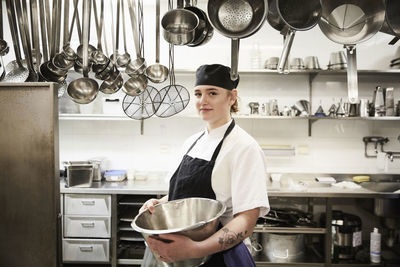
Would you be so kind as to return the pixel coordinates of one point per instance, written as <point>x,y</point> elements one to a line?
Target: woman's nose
<point>203,99</point>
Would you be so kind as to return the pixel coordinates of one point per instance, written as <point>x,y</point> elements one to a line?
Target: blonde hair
<point>235,105</point>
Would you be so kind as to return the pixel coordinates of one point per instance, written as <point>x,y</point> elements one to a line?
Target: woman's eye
<point>197,94</point>
<point>213,93</point>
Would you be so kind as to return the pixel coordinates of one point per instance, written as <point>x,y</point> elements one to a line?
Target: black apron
<point>193,179</point>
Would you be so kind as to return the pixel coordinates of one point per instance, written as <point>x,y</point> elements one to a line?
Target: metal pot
<point>283,247</point>
<point>392,21</point>
<point>256,247</point>
<point>237,19</point>
<point>350,22</point>
<point>78,173</point>
<point>289,16</point>
<point>97,168</point>
<point>196,218</point>
<point>179,26</point>
<point>204,30</point>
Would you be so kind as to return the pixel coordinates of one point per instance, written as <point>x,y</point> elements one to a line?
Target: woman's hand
<point>149,205</point>
<point>173,248</point>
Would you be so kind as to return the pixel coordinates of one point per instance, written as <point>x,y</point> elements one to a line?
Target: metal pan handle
<point>286,51</point>
<point>234,58</point>
<point>352,81</point>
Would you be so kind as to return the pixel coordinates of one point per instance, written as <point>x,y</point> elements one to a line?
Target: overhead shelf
<point>122,118</point>
<point>324,71</point>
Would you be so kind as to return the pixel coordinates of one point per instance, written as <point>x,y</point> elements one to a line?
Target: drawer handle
<point>88,225</point>
<point>88,202</point>
<point>86,248</point>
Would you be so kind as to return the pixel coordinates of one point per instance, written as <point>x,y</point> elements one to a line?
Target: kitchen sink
<point>381,186</point>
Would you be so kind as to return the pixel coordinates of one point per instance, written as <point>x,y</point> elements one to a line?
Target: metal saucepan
<point>236,19</point>
<point>350,22</point>
<point>204,30</point>
<point>289,16</point>
<point>179,25</point>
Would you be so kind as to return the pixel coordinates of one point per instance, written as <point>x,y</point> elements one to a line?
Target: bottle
<point>375,246</point>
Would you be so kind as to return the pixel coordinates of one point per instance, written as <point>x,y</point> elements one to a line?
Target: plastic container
<point>375,246</point>
<point>115,175</point>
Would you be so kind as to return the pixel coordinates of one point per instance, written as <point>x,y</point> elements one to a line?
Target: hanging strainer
<point>141,106</point>
<point>173,98</point>
<point>349,22</point>
<point>235,15</point>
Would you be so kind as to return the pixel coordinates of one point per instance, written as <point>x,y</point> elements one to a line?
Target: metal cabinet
<point>86,228</point>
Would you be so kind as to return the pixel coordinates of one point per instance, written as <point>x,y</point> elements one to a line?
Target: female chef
<point>222,162</point>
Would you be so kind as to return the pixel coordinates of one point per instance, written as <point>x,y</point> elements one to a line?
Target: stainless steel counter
<point>125,187</point>
<point>275,189</point>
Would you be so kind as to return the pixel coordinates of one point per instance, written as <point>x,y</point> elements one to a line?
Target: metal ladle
<point>24,32</point>
<point>36,54</point>
<point>113,83</point>
<point>124,59</point>
<point>137,66</point>
<point>137,84</point>
<point>84,90</point>
<point>17,72</point>
<point>4,48</point>
<point>114,57</point>
<point>157,73</point>
<point>65,59</point>
<point>79,49</point>
<point>98,57</point>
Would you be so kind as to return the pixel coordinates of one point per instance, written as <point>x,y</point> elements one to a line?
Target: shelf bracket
<point>310,123</point>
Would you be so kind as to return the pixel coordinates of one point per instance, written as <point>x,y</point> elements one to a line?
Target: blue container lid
<point>115,173</point>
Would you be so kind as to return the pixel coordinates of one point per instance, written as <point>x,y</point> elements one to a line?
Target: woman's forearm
<point>231,234</point>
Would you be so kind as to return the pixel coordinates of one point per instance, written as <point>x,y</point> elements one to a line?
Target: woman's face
<point>213,104</point>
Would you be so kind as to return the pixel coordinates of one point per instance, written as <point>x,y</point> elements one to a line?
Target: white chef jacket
<point>239,176</point>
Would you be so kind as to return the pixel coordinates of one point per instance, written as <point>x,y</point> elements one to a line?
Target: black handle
<point>112,100</point>
<point>375,139</point>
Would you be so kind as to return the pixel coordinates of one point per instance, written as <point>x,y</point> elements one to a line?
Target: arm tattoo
<point>230,238</point>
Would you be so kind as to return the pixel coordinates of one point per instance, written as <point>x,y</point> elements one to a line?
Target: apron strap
<point>220,143</point>
<point>190,148</point>
<point>228,131</point>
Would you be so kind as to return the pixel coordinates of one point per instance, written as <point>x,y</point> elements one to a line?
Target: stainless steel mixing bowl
<point>196,218</point>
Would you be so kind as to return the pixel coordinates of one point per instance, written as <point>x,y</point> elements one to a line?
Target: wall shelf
<point>311,119</point>
<point>260,117</point>
<point>323,71</point>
